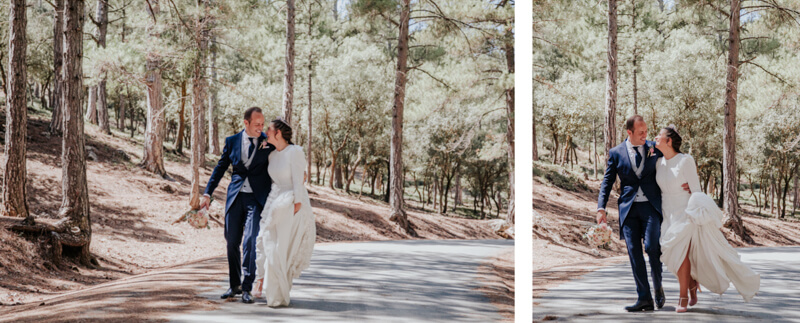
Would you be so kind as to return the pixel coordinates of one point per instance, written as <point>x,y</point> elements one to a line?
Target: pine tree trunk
<point>535,144</point>
<point>732,218</point>
<point>121,117</point>
<point>14,163</point>
<point>309,146</point>
<point>509,47</point>
<point>91,110</point>
<point>198,107</point>
<point>213,123</point>
<point>102,95</point>
<point>398,213</point>
<point>456,190</point>
<point>181,120</point>
<point>388,183</point>
<point>56,122</point>
<point>594,147</point>
<point>338,177</point>
<point>102,107</point>
<point>610,133</point>
<point>635,63</point>
<point>76,221</point>
<point>288,75</point>
<point>794,194</point>
<point>153,156</point>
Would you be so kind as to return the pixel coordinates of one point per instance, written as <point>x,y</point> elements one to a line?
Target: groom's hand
<point>686,187</point>
<point>601,217</point>
<point>204,202</point>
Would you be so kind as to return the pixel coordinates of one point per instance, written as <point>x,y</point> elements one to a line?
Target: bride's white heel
<point>682,308</point>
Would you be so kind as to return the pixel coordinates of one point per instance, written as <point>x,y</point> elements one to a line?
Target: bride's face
<point>271,138</point>
<point>662,141</point>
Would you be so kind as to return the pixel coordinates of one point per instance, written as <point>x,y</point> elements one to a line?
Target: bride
<point>692,246</point>
<point>288,230</point>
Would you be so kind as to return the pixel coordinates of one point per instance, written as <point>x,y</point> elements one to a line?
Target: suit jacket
<point>619,165</point>
<point>256,174</point>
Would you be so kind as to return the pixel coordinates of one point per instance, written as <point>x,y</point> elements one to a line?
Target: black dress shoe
<point>660,298</point>
<point>231,292</point>
<point>640,306</point>
<point>247,298</point>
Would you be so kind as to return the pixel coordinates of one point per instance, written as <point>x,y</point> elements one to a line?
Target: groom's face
<point>639,134</point>
<point>255,125</point>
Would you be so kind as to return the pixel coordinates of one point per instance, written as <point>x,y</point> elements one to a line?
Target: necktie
<point>638,156</point>
<point>251,149</point>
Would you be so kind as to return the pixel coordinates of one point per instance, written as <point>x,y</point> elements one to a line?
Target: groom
<point>250,185</point>
<point>634,161</point>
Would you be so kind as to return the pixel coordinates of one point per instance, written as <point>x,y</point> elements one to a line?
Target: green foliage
<point>454,115</point>
<point>681,59</point>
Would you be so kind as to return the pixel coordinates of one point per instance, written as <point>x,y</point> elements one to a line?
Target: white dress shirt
<point>247,159</point>
<point>638,170</point>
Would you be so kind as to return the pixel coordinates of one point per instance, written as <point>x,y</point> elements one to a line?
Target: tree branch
<point>431,76</point>
<point>766,71</point>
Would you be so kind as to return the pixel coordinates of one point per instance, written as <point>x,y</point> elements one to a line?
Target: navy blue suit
<point>637,220</point>
<point>243,210</point>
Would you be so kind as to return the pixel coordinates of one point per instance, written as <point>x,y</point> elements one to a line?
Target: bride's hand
<point>296,208</point>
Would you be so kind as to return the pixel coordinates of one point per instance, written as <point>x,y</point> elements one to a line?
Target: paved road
<point>601,295</point>
<point>386,281</point>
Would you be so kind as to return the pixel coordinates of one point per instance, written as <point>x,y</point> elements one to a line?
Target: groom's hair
<point>632,120</point>
<point>249,113</point>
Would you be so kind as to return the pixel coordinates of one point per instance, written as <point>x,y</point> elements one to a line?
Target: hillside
<point>132,212</point>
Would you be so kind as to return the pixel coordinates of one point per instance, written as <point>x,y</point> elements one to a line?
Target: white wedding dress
<point>285,240</point>
<point>695,218</point>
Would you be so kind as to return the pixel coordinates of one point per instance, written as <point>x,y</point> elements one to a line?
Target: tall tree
<point>100,89</point>
<point>396,181</point>
<point>181,120</point>
<point>635,62</point>
<point>309,145</point>
<point>611,79</point>
<point>731,183</point>
<point>76,223</point>
<point>509,49</point>
<point>288,74</point>
<point>213,123</point>
<point>15,193</point>
<point>153,156</point>
<point>199,88</point>
<point>91,108</point>
<point>535,147</point>
<point>56,125</point>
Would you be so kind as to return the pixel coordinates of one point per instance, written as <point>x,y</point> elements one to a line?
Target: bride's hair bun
<point>284,128</point>
<point>672,126</point>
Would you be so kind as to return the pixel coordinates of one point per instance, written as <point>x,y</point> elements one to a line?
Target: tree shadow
<point>413,280</point>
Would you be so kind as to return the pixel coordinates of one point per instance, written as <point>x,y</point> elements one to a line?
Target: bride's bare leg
<point>259,285</point>
<point>684,280</point>
<point>694,287</point>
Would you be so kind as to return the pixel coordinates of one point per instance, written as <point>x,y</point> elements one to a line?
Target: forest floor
<point>132,214</point>
<point>561,217</point>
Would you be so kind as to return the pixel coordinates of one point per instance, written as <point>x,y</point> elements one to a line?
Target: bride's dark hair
<point>284,128</point>
<point>672,134</point>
